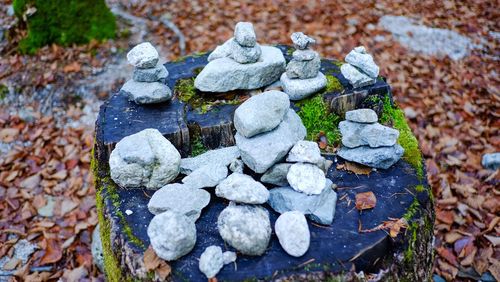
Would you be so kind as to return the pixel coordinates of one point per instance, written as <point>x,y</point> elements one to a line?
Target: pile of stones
<point>302,77</point>
<point>148,85</point>
<point>241,63</point>
<point>360,69</point>
<point>367,142</point>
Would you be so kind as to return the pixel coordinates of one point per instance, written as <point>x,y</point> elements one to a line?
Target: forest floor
<point>49,102</point>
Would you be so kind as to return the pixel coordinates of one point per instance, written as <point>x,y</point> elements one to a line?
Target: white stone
<point>224,74</point>
<point>242,188</point>
<point>362,116</point>
<point>293,233</point>
<point>306,178</point>
<point>302,41</point>
<point>304,55</point>
<point>158,73</point>
<point>360,59</point>
<point>491,161</point>
<point>211,261</point>
<point>143,55</point>
<point>244,34</point>
<point>244,55</point>
<point>146,92</point>
<point>208,175</point>
<point>298,89</point>
<point>261,113</point>
<point>229,257</point>
<point>222,156</point>
<point>181,199</point>
<point>303,69</point>
<point>305,152</point>
<point>144,160</point>
<point>355,77</point>
<point>373,134</point>
<point>96,249</point>
<point>172,235</point>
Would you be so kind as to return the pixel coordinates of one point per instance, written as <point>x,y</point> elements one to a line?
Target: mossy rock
<point>401,192</point>
<point>63,22</point>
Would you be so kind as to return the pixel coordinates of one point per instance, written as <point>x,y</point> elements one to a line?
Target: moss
<point>64,22</point>
<point>333,84</point>
<point>290,51</point>
<point>185,90</point>
<point>317,118</point>
<point>197,147</point>
<point>4,90</point>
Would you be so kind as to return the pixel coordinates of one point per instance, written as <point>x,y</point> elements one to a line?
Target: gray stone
<point>298,89</point>
<point>303,69</point>
<point>236,165</point>
<point>305,152</point>
<point>363,61</point>
<point>181,199</point>
<point>143,55</point>
<point>261,113</point>
<point>158,73</point>
<point>172,235</point>
<point>244,55</point>
<point>48,209</point>
<point>246,228</point>
<point>244,34</point>
<point>242,188</point>
<point>144,160</point>
<point>293,233</point>
<point>306,178</point>
<point>96,249</point>
<point>276,174</point>
<point>302,41</point>
<point>383,157</point>
<point>362,116</point>
<point>491,161</point>
<point>222,156</point>
<point>319,208</point>
<point>304,55</point>
<point>372,134</point>
<point>325,165</point>
<point>229,257</point>
<point>221,51</point>
<point>23,249</point>
<point>211,261</point>
<point>146,92</point>
<point>262,151</point>
<point>208,175</point>
<point>225,74</point>
<point>355,77</point>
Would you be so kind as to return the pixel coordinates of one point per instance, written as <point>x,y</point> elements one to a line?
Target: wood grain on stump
<point>335,250</point>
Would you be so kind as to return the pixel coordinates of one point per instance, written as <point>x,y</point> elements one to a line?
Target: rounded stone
<point>143,55</point>
<point>306,178</point>
<point>305,152</point>
<point>242,188</point>
<point>362,116</point>
<point>298,89</point>
<point>293,233</point>
<point>211,261</point>
<point>172,235</point>
<point>244,34</point>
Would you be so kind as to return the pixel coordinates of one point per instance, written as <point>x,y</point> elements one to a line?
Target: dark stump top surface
<point>333,248</point>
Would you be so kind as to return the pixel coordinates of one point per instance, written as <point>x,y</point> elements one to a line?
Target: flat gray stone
<point>179,198</point>
<point>303,69</point>
<point>208,175</point>
<point>491,161</point>
<point>146,92</point>
<point>144,160</point>
<point>242,188</point>
<point>96,249</point>
<point>302,41</point>
<point>363,61</point>
<point>355,77</point>
<point>211,261</point>
<point>224,74</point>
<point>298,89</point>
<point>246,228</point>
<point>244,34</point>
<point>304,55</point>
<point>319,208</point>
<point>305,152</point>
<point>229,257</point>
<point>221,51</point>
<point>372,134</point>
<point>222,156</point>
<point>383,157</point>
<point>172,235</point>
<point>158,73</point>
<point>293,233</point>
<point>261,113</point>
<point>236,165</point>
<point>262,151</point>
<point>244,55</point>
<point>306,178</point>
<point>276,175</point>
<point>143,55</point>
<point>362,116</point>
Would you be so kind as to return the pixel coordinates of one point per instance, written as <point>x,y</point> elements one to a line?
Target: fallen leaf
<point>495,240</point>
<point>365,200</point>
<point>8,135</point>
<point>447,254</point>
<point>151,260</point>
<point>357,168</point>
<point>53,252</point>
<point>31,182</point>
<point>394,225</point>
<point>76,274</point>
<point>73,67</point>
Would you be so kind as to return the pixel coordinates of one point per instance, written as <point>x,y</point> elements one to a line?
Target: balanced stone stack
<point>148,83</point>
<point>367,142</point>
<point>302,77</point>
<point>241,63</point>
<point>360,69</point>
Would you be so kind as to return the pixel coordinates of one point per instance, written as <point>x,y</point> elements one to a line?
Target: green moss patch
<point>64,22</point>
<point>197,147</point>
<point>333,84</point>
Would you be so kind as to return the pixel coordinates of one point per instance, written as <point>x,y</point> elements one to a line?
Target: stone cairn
<point>302,77</point>
<point>360,69</point>
<point>148,83</point>
<point>367,142</point>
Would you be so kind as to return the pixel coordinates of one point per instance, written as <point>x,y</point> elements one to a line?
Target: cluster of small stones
<point>367,142</point>
<point>148,83</point>
<point>360,69</point>
<point>302,77</point>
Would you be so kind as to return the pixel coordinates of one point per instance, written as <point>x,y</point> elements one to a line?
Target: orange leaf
<point>53,252</point>
<point>366,200</point>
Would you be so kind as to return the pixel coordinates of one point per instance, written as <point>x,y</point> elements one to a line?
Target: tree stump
<point>335,251</point>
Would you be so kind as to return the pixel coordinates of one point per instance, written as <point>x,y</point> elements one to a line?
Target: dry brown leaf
<point>394,225</point>
<point>151,260</point>
<point>53,252</point>
<point>365,200</point>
